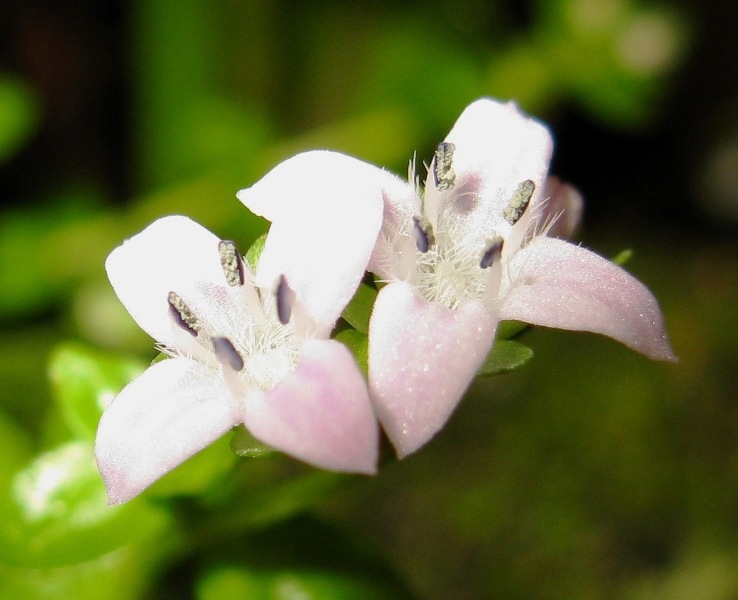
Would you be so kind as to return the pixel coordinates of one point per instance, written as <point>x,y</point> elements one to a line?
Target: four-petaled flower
<point>474,248</point>
<point>246,347</point>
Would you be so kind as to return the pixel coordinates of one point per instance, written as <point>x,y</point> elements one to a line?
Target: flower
<point>245,347</point>
<point>476,247</point>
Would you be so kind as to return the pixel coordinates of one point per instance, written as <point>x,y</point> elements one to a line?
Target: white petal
<point>170,412</point>
<point>557,284</point>
<point>497,148</point>
<point>422,357</point>
<point>326,211</point>
<point>320,413</point>
<point>171,254</point>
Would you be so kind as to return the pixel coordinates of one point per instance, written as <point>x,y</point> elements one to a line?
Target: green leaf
<point>505,355</point>
<point>509,329</point>
<point>359,309</point>
<point>358,345</point>
<point>623,257</point>
<point>55,513</point>
<point>247,446</point>
<point>85,380</point>
<point>119,575</point>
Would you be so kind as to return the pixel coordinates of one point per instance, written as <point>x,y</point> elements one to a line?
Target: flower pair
<point>471,249</point>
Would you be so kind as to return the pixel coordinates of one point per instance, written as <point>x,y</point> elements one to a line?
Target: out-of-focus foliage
<point>18,114</point>
<point>589,472</point>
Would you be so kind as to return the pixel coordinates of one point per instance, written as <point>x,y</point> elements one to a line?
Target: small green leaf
<point>85,381</point>
<point>246,445</point>
<point>505,355</point>
<point>509,329</point>
<point>358,345</point>
<point>254,252</point>
<point>359,309</point>
<point>623,257</point>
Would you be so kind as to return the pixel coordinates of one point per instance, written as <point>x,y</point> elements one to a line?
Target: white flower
<point>472,250</point>
<point>246,348</point>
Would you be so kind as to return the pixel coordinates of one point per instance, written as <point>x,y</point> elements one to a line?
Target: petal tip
<point>117,485</point>
<point>660,350</point>
<point>320,413</point>
<point>422,358</point>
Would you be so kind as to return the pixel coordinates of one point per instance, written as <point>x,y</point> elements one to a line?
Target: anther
<point>519,201</point>
<point>423,233</point>
<point>443,172</point>
<point>227,354</point>
<point>492,252</point>
<point>232,263</point>
<point>182,315</point>
<point>285,300</point>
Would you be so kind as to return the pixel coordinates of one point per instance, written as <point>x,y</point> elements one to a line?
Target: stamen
<point>285,300</point>
<point>423,233</point>
<point>519,201</point>
<point>232,263</point>
<point>443,172</point>
<point>182,315</point>
<point>227,354</point>
<point>492,252</point>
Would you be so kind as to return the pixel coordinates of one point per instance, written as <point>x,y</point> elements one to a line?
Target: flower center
<point>448,274</point>
<point>267,345</point>
<point>450,268</point>
<point>258,347</point>
<point>269,354</point>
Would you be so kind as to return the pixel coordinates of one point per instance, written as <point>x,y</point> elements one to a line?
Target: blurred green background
<point>589,473</point>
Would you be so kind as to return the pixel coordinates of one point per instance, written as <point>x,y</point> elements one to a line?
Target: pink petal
<point>563,206</point>
<point>326,211</point>
<point>170,412</point>
<point>558,284</point>
<point>320,413</point>
<point>171,254</point>
<point>395,254</point>
<point>422,357</point>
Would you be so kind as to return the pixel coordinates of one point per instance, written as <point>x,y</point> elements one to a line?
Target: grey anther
<point>519,201</point>
<point>285,300</point>
<point>443,171</point>
<point>492,252</point>
<point>227,354</point>
<point>232,263</point>
<point>182,315</point>
<point>423,233</point>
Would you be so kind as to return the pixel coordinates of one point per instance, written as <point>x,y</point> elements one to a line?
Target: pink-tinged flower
<point>477,247</point>
<point>246,347</point>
